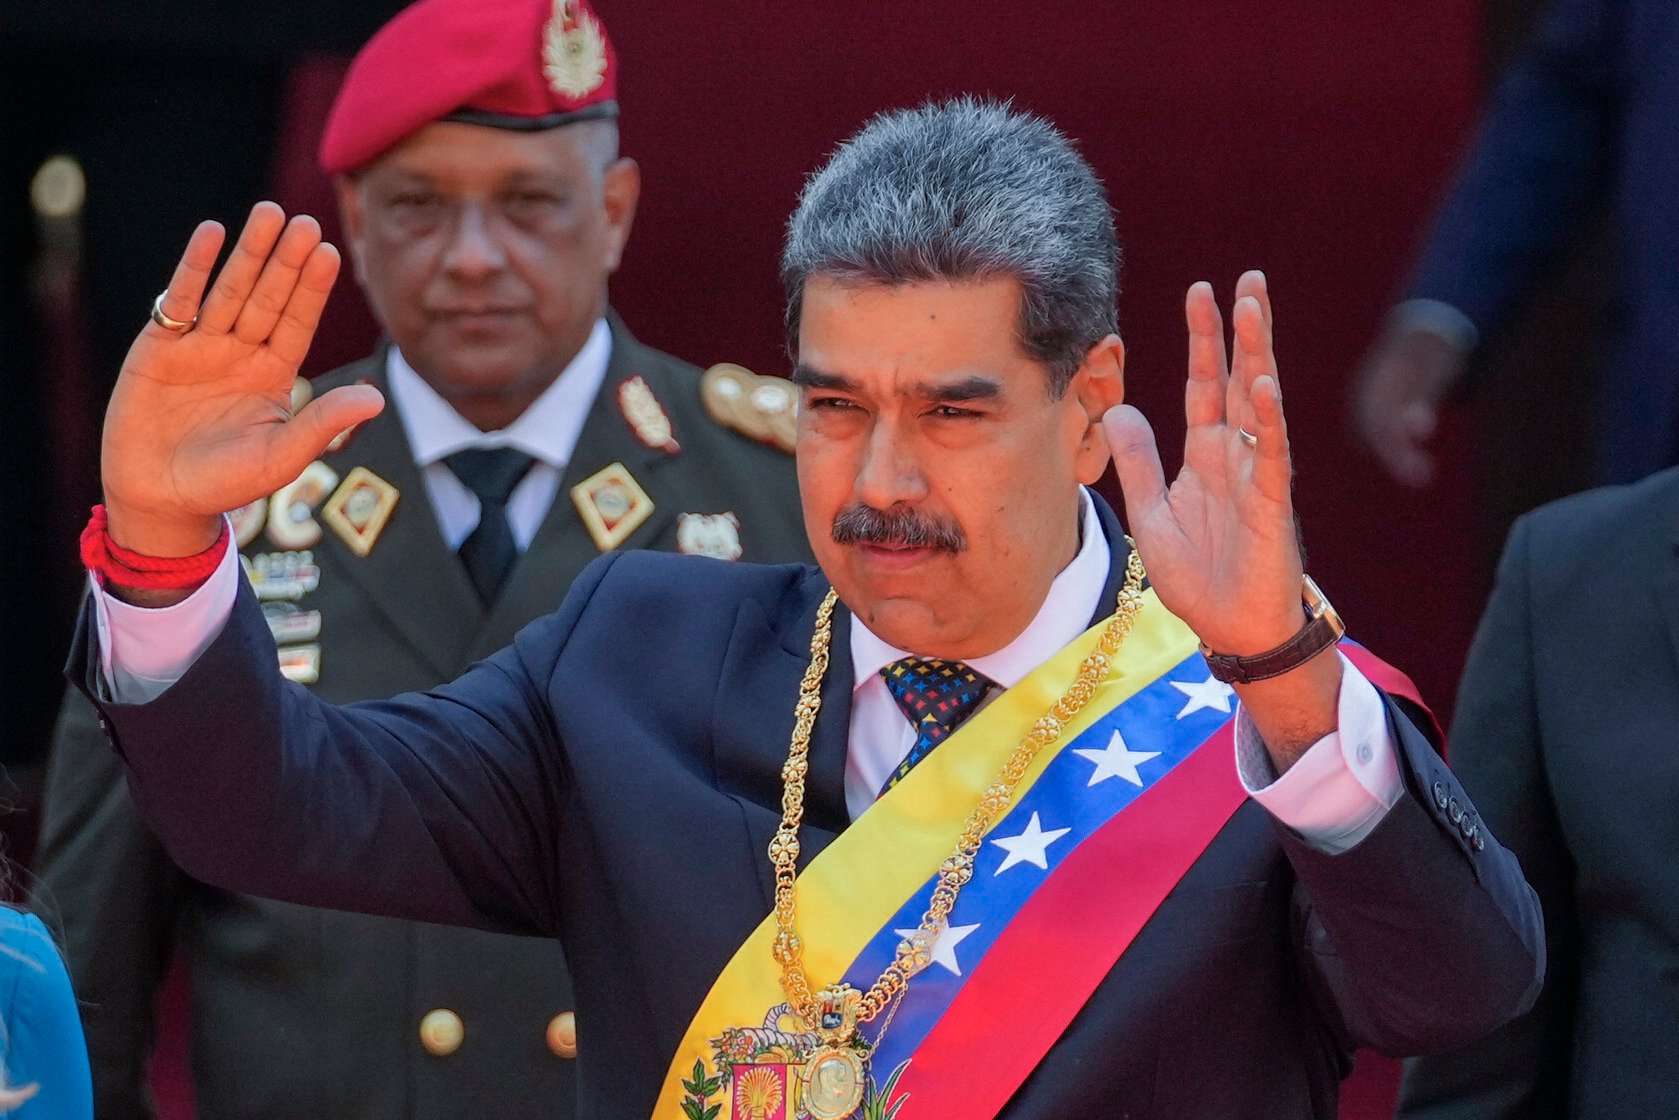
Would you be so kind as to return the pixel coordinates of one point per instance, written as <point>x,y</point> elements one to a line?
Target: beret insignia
<point>762,408</point>
<point>573,51</point>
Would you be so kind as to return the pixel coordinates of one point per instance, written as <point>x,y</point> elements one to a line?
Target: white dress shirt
<point>547,431</point>
<point>1334,795</point>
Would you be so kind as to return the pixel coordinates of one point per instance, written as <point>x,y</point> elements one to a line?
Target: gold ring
<point>1247,437</point>
<point>164,321</point>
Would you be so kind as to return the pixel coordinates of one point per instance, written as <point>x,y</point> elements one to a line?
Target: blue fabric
<point>561,788</point>
<point>1589,118</point>
<point>42,1030</point>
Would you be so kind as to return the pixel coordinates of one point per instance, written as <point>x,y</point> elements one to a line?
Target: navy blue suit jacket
<point>613,779</point>
<point>1588,118</point>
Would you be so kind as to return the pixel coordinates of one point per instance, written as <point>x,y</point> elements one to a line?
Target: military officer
<point>486,207</point>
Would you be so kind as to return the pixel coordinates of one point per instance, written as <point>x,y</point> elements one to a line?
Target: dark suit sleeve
<point>116,897</point>
<point>1537,169</point>
<point>1425,934</point>
<point>1521,1070</point>
<point>440,806</point>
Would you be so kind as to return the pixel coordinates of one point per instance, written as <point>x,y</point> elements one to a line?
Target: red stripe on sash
<point>971,1062</point>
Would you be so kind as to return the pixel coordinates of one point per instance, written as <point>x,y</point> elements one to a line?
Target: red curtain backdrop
<point>1309,138</point>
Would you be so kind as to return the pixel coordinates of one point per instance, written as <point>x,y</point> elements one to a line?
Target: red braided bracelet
<point>110,563</point>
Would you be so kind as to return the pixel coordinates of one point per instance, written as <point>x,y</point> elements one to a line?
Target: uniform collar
<point>1073,599</point>
<point>547,430</point>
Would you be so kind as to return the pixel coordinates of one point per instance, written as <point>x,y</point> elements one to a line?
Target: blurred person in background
<point>486,207</point>
<point>1564,738</point>
<point>1586,120</point>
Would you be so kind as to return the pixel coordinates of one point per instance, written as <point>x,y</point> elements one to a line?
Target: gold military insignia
<point>764,408</point>
<point>288,622</point>
<point>282,575</point>
<point>647,416</point>
<point>301,663</point>
<point>709,534</point>
<point>248,521</point>
<point>291,511</point>
<point>359,509</point>
<point>613,505</point>
<point>302,392</point>
<point>573,51</point>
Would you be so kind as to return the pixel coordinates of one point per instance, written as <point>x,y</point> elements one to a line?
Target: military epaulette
<point>762,408</point>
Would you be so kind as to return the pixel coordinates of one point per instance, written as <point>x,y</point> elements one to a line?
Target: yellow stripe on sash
<point>857,883</point>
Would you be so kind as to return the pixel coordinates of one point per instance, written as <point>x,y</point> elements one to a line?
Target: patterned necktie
<point>491,473</point>
<point>935,696</point>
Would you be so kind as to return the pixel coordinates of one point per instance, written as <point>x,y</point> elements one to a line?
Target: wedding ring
<point>1247,437</point>
<point>164,321</point>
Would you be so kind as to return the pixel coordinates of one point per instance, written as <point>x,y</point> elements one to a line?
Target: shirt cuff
<point>1438,318</point>
<point>1341,788</point>
<point>144,650</point>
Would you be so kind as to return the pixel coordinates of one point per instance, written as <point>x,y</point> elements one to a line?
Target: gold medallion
<point>359,509</point>
<point>832,1083</point>
<point>612,504</point>
<point>573,51</point>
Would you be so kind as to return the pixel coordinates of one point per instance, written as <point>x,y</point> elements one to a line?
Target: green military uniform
<point>310,1013</point>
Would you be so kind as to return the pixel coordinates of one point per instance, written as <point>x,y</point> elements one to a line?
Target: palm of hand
<point>200,420</point>
<point>1219,543</point>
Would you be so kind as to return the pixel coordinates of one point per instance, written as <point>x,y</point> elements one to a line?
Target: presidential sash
<point>1102,827</point>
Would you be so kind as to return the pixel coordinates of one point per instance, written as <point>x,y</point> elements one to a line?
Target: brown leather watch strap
<point>1323,629</point>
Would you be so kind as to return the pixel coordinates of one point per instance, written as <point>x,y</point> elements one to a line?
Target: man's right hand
<point>200,421</point>
<point>1397,397</point>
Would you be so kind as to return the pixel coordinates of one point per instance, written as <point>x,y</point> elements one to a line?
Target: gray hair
<point>965,190</point>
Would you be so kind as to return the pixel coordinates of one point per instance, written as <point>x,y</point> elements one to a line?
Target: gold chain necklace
<point>835,1076</point>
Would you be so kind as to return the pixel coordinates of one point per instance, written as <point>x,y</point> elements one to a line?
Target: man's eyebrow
<point>809,377</point>
<point>974,387</point>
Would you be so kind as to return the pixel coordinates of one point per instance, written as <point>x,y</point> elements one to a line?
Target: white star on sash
<point>944,949</point>
<point>1116,761</point>
<point>1031,846</point>
<point>1211,694</point>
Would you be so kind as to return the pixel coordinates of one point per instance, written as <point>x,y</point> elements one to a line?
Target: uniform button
<point>1440,794</point>
<point>1479,841</point>
<point>442,1032</point>
<point>562,1034</point>
<point>1467,826</point>
<point>1365,754</point>
<point>1454,811</point>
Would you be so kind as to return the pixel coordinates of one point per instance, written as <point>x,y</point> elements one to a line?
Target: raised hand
<point>1220,542</point>
<point>200,421</point>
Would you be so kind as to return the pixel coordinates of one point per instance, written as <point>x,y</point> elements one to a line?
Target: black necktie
<point>489,552</point>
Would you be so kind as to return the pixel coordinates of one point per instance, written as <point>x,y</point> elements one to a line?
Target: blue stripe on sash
<point>1160,718</point>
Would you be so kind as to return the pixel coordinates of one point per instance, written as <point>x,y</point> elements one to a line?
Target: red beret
<point>518,64</point>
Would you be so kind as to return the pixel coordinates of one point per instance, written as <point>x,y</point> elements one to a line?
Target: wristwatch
<point>1323,629</point>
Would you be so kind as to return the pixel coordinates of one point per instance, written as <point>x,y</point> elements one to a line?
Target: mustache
<point>900,526</point>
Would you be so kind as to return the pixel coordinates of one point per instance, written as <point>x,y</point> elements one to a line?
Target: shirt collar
<point>547,430</point>
<point>1073,598</point>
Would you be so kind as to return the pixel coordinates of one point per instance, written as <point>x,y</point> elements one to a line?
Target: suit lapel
<point>431,605</point>
<point>752,723</point>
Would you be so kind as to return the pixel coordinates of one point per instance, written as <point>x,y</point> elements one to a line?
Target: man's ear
<point>1097,385</point>
<point>620,191</point>
<point>353,218</point>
